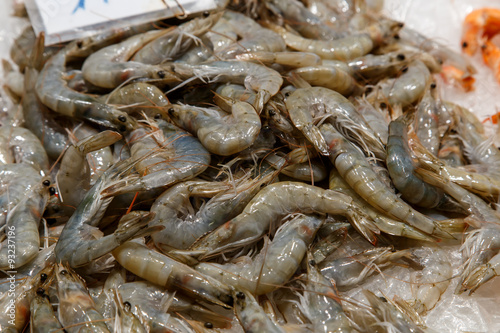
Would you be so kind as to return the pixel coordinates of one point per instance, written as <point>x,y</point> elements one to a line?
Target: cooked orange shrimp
<point>479,24</point>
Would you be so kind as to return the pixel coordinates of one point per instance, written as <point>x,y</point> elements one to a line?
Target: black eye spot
<point>272,112</point>
<point>79,44</point>
<point>209,325</point>
<point>383,299</point>
<point>52,221</point>
<point>401,57</point>
<point>396,37</point>
<point>483,47</point>
<point>43,277</point>
<point>401,24</point>
<point>46,182</point>
<point>127,305</point>
<point>404,69</point>
<point>287,94</point>
<point>122,128</point>
<point>52,190</point>
<point>383,105</point>
<point>122,119</point>
<point>433,85</point>
<point>161,74</point>
<point>465,45</point>
<point>312,262</point>
<point>64,272</point>
<point>240,295</point>
<point>171,111</point>
<point>368,90</point>
<point>157,116</point>
<point>206,13</point>
<point>40,291</point>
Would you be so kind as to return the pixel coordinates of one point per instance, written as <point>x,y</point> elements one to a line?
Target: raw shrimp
<point>380,221</point>
<point>402,170</point>
<point>73,177</point>
<point>309,105</point>
<point>77,312</point>
<point>408,88</point>
<point>311,171</point>
<point>251,315</point>
<point>164,155</point>
<point>109,67</point>
<point>38,118</point>
<point>139,97</point>
<point>345,48</point>
<point>219,132</point>
<point>270,204</point>
<point>226,203</point>
<point>375,118</point>
<point>329,77</point>
<point>291,59</point>
<point>22,220</point>
<point>19,145</point>
<point>265,81</point>
<point>125,320</point>
<point>481,275</point>
<point>276,262</point>
<point>176,41</point>
<point>451,150</point>
<point>426,120</point>
<point>43,319</point>
<point>254,37</point>
<point>319,302</point>
<point>164,271</point>
<point>82,224</point>
<point>53,91</point>
<point>432,281</point>
<point>350,271</point>
<point>356,171</point>
<point>373,66</point>
<point>237,92</point>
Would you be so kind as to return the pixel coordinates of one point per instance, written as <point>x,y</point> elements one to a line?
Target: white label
<point>63,20</point>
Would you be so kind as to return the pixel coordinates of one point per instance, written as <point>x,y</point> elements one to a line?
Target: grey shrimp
<point>402,171</point>
<point>19,145</point>
<point>375,118</point>
<point>329,77</point>
<point>164,271</point>
<point>307,106</point>
<point>220,133</point>
<point>22,222</point>
<point>43,319</point>
<point>53,91</point>
<point>110,66</point>
<point>271,203</point>
<point>311,171</point>
<point>252,316</point>
<point>176,41</point>
<point>373,66</point>
<point>275,264</point>
<point>345,48</point>
<point>254,37</point>
<point>285,58</point>
<point>426,120</point>
<point>87,216</point>
<point>38,118</point>
<point>76,308</point>
<point>265,81</point>
<point>73,177</point>
<point>225,204</point>
<point>319,302</point>
<point>356,171</point>
<point>164,155</point>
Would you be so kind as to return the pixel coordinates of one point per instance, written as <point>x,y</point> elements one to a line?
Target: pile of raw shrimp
<point>241,170</point>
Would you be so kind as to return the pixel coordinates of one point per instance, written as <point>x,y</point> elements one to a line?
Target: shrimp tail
<point>135,224</point>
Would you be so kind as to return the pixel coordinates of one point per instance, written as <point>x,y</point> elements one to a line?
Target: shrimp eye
<point>43,277</point>
<point>157,116</point>
<point>272,112</point>
<point>40,291</point>
<point>122,128</point>
<point>171,111</point>
<point>46,182</point>
<point>401,24</point>
<point>209,325</point>
<point>368,90</point>
<point>433,85</point>
<point>483,47</point>
<point>206,13</point>
<point>312,262</point>
<point>52,190</point>
<point>122,119</point>
<point>401,57</point>
<point>404,69</point>
<point>64,272</point>
<point>383,105</point>
<point>383,299</point>
<point>396,37</point>
<point>127,305</point>
<point>161,74</point>
<point>287,94</point>
<point>79,44</point>
<point>465,45</point>
<point>240,295</point>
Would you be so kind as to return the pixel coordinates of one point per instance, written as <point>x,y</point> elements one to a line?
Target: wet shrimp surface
<point>243,170</point>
